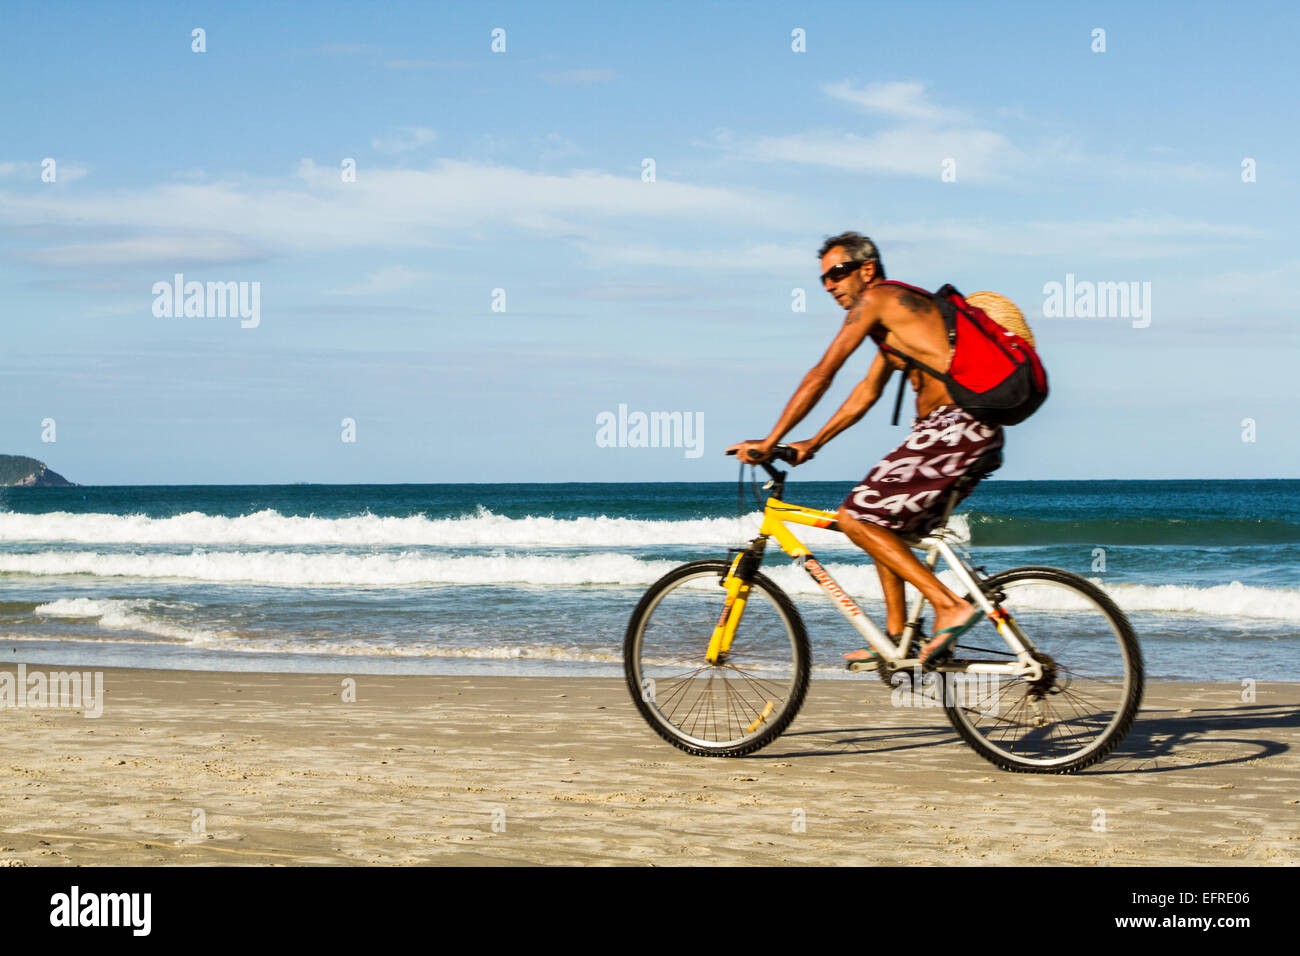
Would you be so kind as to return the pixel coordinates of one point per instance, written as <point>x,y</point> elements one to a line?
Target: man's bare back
<point>913,325</point>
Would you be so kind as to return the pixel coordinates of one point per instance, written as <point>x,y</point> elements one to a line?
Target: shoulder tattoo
<point>913,302</point>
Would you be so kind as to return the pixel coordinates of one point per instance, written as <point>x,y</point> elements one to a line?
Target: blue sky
<point>523,171</point>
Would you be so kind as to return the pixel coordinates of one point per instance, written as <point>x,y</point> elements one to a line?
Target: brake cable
<point>740,491</point>
<point>740,496</point>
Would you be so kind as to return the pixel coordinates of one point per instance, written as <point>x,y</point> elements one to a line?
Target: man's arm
<point>819,378</point>
<point>860,400</point>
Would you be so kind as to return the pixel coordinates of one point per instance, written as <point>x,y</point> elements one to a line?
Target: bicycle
<point>1060,694</point>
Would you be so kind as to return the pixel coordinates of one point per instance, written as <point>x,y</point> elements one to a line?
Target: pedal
<point>856,666</point>
<point>767,712</point>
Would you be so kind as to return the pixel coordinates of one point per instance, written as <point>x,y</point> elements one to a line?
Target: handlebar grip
<point>779,453</point>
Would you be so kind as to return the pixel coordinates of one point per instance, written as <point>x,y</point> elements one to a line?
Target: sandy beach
<point>255,769</point>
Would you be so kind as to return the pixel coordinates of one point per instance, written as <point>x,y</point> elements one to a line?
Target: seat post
<point>952,503</point>
<point>984,466</point>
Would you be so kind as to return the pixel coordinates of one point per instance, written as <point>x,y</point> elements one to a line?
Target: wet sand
<point>254,769</point>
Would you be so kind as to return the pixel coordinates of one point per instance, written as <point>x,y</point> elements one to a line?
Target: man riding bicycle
<point>905,493</point>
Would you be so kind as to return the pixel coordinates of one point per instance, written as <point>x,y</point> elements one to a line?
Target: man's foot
<point>945,637</point>
<point>864,658</point>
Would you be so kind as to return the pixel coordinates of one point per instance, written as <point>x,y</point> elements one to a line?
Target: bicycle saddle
<point>986,464</point>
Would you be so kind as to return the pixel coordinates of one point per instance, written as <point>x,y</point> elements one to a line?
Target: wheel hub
<point>1038,689</point>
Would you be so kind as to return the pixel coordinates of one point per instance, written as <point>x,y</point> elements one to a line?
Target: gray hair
<point>858,247</point>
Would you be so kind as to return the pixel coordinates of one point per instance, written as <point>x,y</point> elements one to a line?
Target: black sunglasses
<point>836,273</point>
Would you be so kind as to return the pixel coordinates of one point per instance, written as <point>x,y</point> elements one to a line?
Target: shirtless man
<point>905,493</point>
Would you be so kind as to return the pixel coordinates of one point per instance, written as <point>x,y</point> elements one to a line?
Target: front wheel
<point>1091,687</point>
<point>733,707</point>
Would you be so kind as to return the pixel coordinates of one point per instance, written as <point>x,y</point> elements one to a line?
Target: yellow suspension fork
<point>737,582</point>
<point>745,565</point>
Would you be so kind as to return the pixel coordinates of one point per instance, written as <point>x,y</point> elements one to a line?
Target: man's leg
<point>900,495</point>
<point>891,585</point>
<point>892,555</point>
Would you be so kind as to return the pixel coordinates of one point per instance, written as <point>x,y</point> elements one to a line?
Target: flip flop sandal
<point>945,639</point>
<point>869,663</point>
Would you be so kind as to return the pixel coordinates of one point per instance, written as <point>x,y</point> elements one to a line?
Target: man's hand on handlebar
<point>755,452</point>
<point>752,452</point>
<point>803,451</point>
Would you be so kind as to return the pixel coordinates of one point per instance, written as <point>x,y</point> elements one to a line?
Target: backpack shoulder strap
<point>948,311</point>
<point>903,285</point>
<point>943,299</point>
<point>902,386</point>
<point>909,363</point>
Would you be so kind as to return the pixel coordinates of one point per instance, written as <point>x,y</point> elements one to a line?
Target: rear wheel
<point>726,709</point>
<point>1090,691</point>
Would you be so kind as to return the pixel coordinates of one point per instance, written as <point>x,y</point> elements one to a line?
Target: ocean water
<point>542,578</point>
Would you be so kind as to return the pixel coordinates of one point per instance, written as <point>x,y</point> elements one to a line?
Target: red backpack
<point>995,374</point>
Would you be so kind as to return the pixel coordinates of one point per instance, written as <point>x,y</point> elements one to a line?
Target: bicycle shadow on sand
<point>1153,738</point>
<point>1158,736</point>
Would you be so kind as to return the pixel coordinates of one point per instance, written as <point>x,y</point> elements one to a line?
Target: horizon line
<point>718,481</point>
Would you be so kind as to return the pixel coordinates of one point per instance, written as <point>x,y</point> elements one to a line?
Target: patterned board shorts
<point>907,491</point>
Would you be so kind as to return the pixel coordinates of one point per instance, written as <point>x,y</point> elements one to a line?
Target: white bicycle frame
<point>936,545</point>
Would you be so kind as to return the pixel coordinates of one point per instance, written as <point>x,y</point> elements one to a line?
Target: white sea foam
<point>296,569</point>
<point>128,614</point>
<point>343,569</point>
<point>481,529</point>
<point>1234,600</point>
<point>556,653</point>
<point>399,568</point>
<point>421,649</point>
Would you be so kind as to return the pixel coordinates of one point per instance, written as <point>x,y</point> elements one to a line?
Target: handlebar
<point>780,453</point>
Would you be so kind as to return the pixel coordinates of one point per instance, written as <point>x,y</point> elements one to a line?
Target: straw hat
<point>1002,311</point>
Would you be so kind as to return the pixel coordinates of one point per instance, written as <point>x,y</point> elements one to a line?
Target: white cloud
<point>921,138</point>
<point>920,135</point>
<point>68,172</point>
<point>557,147</point>
<point>1082,240</point>
<point>904,100</point>
<point>148,250</point>
<point>980,155</point>
<point>404,138</point>
<point>1160,166</point>
<point>384,280</point>
<point>316,211</point>
<point>1241,294</point>
<point>608,218</point>
<point>908,247</point>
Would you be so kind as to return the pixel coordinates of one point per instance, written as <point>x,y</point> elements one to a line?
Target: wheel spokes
<point>1073,631</point>
<point>715,705</point>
